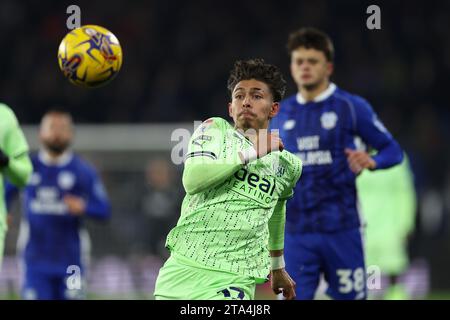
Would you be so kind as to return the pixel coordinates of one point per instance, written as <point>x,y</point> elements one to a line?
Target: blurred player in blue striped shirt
<point>62,190</point>
<point>320,124</point>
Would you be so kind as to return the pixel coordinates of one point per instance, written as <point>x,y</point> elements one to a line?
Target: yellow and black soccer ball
<point>90,56</point>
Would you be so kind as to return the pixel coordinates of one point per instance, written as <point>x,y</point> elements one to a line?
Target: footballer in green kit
<point>15,164</point>
<point>230,235</point>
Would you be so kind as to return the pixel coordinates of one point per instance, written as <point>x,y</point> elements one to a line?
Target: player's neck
<point>54,156</point>
<point>310,94</point>
<point>53,159</point>
<point>245,129</point>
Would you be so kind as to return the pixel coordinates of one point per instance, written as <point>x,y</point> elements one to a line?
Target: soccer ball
<point>90,56</point>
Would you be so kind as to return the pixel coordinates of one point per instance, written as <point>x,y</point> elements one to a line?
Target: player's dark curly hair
<point>259,70</point>
<point>311,38</point>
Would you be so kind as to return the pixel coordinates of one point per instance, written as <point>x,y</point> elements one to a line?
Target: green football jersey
<point>388,203</point>
<point>14,145</point>
<point>388,200</point>
<point>225,224</point>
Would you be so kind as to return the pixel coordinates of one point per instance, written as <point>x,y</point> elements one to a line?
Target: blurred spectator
<point>160,204</point>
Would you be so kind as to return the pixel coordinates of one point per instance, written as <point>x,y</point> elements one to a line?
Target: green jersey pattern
<point>388,203</point>
<point>14,145</point>
<point>225,227</point>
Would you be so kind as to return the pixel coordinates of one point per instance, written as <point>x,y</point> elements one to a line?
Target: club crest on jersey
<point>328,120</point>
<point>279,170</point>
<point>66,180</point>
<point>288,125</point>
<point>206,124</point>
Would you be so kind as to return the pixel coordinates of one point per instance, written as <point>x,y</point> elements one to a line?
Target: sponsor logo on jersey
<point>201,139</point>
<point>252,185</point>
<point>310,155</point>
<point>47,201</point>
<point>315,157</point>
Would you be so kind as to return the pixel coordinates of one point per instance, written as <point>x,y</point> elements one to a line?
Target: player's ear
<point>274,109</point>
<point>292,65</point>
<point>230,109</point>
<point>330,68</point>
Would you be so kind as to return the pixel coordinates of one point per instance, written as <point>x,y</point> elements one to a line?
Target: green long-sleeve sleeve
<point>276,226</point>
<point>15,146</point>
<point>213,155</point>
<point>19,169</point>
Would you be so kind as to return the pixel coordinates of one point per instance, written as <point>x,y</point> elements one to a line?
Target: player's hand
<point>4,159</point>
<point>359,160</point>
<point>75,205</point>
<point>283,283</point>
<point>265,142</point>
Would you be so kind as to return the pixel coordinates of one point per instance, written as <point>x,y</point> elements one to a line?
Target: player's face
<point>310,67</point>
<point>252,105</point>
<point>56,132</point>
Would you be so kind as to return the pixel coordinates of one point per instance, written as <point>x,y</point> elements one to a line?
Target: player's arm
<point>281,281</point>
<point>95,202</point>
<point>204,165</point>
<point>14,160</point>
<point>207,166</point>
<point>373,133</point>
<point>202,173</point>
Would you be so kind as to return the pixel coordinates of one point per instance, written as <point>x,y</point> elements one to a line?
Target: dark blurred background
<point>177,55</point>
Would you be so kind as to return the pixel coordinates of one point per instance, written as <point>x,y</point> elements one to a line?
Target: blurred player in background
<point>234,209</point>
<point>388,203</point>
<point>62,190</point>
<point>160,204</point>
<point>15,164</point>
<point>319,124</point>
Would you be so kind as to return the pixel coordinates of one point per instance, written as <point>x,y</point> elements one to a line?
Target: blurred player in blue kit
<point>62,190</point>
<point>319,124</point>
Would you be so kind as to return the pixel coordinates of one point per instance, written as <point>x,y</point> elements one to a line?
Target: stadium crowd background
<point>177,55</point>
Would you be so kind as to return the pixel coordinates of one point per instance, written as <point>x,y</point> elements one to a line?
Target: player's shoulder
<point>351,98</point>
<point>288,157</point>
<point>287,103</point>
<point>6,113</point>
<point>82,163</point>
<point>214,123</point>
<point>291,163</point>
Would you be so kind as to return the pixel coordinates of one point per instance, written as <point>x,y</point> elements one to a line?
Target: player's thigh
<point>344,267</point>
<point>174,281</point>
<point>303,263</point>
<point>37,286</point>
<point>388,255</point>
<point>217,285</point>
<point>180,281</point>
